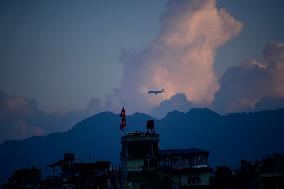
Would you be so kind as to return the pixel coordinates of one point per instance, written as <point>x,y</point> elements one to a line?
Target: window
<point>194,180</point>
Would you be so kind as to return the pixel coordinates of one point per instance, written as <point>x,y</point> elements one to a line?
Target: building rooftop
<point>187,151</point>
<point>140,136</point>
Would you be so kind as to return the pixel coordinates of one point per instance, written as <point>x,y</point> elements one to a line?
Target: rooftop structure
<point>25,178</point>
<point>75,174</point>
<point>183,158</point>
<point>140,150</point>
<point>185,167</point>
<point>145,166</point>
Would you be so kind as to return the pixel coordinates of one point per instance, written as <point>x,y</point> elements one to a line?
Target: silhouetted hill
<point>228,137</point>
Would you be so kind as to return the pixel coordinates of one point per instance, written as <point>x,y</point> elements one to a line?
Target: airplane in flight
<point>156,91</point>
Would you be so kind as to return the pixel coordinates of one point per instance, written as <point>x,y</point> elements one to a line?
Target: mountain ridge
<point>228,137</point>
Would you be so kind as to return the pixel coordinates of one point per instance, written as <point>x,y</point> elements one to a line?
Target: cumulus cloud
<point>269,103</point>
<point>180,59</point>
<point>242,86</point>
<point>177,102</point>
<point>21,118</point>
<point>14,111</point>
<point>95,105</point>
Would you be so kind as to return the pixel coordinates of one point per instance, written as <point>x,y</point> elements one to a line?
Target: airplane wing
<point>156,92</point>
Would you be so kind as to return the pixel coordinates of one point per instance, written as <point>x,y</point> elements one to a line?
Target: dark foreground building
<point>144,166</point>
<point>74,174</point>
<point>67,174</point>
<point>25,178</point>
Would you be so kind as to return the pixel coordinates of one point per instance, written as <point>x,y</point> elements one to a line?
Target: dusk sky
<point>93,56</point>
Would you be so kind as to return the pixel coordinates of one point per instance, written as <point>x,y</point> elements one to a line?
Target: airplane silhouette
<point>156,91</point>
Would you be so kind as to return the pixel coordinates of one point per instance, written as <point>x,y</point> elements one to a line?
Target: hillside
<point>228,137</point>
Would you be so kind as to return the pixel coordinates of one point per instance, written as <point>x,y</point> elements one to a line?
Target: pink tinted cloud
<point>180,59</point>
<point>243,86</point>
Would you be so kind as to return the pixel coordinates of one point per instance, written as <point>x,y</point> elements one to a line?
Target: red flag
<point>122,113</point>
<point>123,123</point>
<point>123,119</point>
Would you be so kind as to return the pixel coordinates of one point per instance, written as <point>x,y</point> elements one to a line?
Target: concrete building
<point>185,167</point>
<point>77,174</point>
<point>25,178</point>
<point>144,166</point>
<point>139,157</point>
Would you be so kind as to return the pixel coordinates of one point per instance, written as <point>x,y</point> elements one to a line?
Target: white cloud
<point>180,59</point>
<point>178,102</point>
<point>244,85</point>
<point>21,118</point>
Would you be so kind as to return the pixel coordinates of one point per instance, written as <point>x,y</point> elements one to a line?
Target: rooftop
<point>188,151</point>
<point>140,136</point>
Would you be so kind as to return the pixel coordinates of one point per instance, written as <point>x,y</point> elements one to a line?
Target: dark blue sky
<point>63,53</point>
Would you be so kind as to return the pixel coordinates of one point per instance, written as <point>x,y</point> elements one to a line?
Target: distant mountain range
<point>228,138</point>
